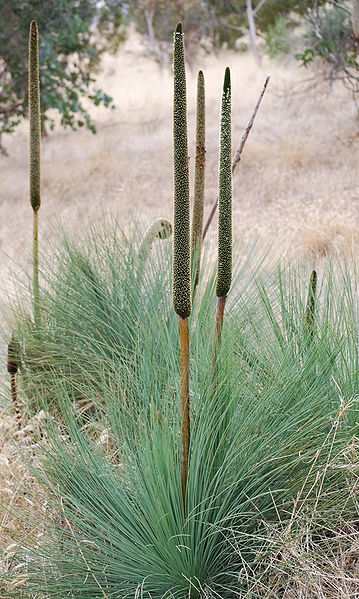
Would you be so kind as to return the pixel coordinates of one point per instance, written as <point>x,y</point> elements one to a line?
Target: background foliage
<point>74,35</point>
<point>70,50</point>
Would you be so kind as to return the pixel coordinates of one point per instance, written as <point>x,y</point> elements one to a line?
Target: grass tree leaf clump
<point>270,444</point>
<point>123,526</point>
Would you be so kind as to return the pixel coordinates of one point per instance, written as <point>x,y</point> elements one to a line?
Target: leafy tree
<point>208,24</point>
<point>73,36</point>
<point>333,41</point>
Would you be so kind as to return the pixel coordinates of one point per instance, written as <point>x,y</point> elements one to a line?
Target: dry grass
<point>297,186</point>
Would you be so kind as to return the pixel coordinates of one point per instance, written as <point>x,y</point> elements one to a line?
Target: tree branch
<point>252,31</point>
<point>258,7</point>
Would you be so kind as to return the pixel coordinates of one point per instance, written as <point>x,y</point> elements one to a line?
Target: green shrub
<point>284,412</point>
<point>277,38</point>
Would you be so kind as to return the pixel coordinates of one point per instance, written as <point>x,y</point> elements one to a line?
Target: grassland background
<point>297,185</point>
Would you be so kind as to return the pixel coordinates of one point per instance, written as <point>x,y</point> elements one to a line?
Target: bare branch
<point>238,152</point>
<point>252,31</point>
<point>340,6</point>
<point>12,108</point>
<point>258,7</point>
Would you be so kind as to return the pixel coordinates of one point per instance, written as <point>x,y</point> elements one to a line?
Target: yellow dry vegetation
<point>297,184</point>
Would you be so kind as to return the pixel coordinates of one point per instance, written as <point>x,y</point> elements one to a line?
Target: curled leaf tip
<point>165,230</point>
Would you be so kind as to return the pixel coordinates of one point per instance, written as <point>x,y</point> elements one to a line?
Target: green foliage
<point>69,49</point>
<point>199,180</point>
<point>181,226</point>
<point>330,40</point>
<point>209,24</point>
<point>224,276</point>
<point>277,38</point>
<point>117,306</point>
<point>284,413</point>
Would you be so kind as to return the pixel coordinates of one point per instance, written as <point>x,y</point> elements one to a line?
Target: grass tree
<point>181,239</point>
<point>199,181</point>
<point>35,134</point>
<point>224,264</point>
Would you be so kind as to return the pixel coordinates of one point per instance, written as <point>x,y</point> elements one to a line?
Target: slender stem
<point>237,155</point>
<point>221,302</point>
<point>36,270</point>
<point>185,413</point>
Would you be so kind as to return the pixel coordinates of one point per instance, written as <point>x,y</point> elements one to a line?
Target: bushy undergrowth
<point>273,445</point>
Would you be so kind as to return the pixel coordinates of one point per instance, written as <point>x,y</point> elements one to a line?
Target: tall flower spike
<point>181,242</point>
<point>224,267</point>
<point>34,114</point>
<point>181,234</point>
<point>199,180</point>
<point>224,273</point>
<point>35,134</point>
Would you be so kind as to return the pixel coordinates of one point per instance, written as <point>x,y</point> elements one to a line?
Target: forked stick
<point>237,155</point>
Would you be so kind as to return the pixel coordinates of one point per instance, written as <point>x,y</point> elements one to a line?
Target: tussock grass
<point>272,475</point>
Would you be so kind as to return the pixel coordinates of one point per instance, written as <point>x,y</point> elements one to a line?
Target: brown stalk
<point>36,268</point>
<point>237,155</point>
<point>185,416</point>
<point>221,302</point>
